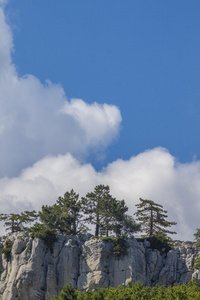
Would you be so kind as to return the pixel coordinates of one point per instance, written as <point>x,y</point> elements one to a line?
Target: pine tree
<point>50,216</point>
<point>107,214</point>
<point>94,204</point>
<point>114,212</point>
<point>64,215</point>
<point>16,222</point>
<point>152,218</point>
<point>197,237</point>
<point>127,227</point>
<point>70,210</point>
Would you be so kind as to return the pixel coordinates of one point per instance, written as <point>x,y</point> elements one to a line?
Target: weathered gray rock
<point>34,272</point>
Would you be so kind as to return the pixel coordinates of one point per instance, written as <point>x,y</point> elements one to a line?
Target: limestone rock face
<point>31,271</point>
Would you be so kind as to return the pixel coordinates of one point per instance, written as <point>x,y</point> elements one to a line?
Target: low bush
<point>159,241</point>
<point>67,293</point>
<point>45,233</point>
<point>120,244</point>
<point>134,291</point>
<point>7,249</point>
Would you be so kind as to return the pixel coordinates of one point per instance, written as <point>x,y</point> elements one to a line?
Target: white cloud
<point>153,175</point>
<point>6,46</point>
<point>37,119</point>
<point>105,116</point>
<point>38,126</point>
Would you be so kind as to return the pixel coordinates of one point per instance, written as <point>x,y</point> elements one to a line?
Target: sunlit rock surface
<point>32,271</point>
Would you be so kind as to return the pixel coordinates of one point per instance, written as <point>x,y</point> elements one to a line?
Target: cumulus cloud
<point>37,119</point>
<point>6,46</point>
<point>43,133</point>
<point>153,174</point>
<point>105,116</point>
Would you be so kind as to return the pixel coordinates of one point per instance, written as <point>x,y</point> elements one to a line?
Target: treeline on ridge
<point>71,215</point>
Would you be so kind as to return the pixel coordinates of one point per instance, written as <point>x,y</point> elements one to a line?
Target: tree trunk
<point>97,227</point>
<point>151,224</point>
<point>107,230</point>
<point>74,226</point>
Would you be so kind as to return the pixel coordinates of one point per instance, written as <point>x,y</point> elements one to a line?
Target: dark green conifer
<point>152,218</point>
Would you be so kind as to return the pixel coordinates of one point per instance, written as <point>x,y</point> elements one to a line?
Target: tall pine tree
<point>94,204</point>
<point>152,218</point>
<point>64,215</point>
<point>107,214</point>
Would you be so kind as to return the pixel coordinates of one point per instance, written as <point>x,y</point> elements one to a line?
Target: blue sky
<point>136,67</point>
<point>143,57</point>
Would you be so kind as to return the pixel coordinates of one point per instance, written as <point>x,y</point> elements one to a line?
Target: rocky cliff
<point>31,271</point>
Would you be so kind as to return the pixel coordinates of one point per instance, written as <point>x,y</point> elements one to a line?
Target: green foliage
<point>71,207</point>
<point>197,243</point>
<point>197,237</point>
<point>109,239</point>
<point>107,214</point>
<point>94,237</point>
<point>94,204</point>
<point>49,216</point>
<point>6,252</point>
<point>7,249</point>
<point>127,226</point>
<point>16,222</point>
<point>197,262</point>
<point>64,215</point>
<point>159,241</point>
<point>152,218</point>
<point>67,293</point>
<point>120,245</point>
<point>48,235</point>
<point>69,215</point>
<point>135,291</point>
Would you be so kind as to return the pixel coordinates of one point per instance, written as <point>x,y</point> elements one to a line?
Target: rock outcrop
<point>32,271</point>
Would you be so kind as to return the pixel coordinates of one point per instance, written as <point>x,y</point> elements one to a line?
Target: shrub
<point>45,233</point>
<point>94,237</point>
<point>67,293</point>
<point>7,249</point>
<point>197,261</point>
<point>109,239</point>
<point>120,245</point>
<point>134,291</point>
<point>159,241</point>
